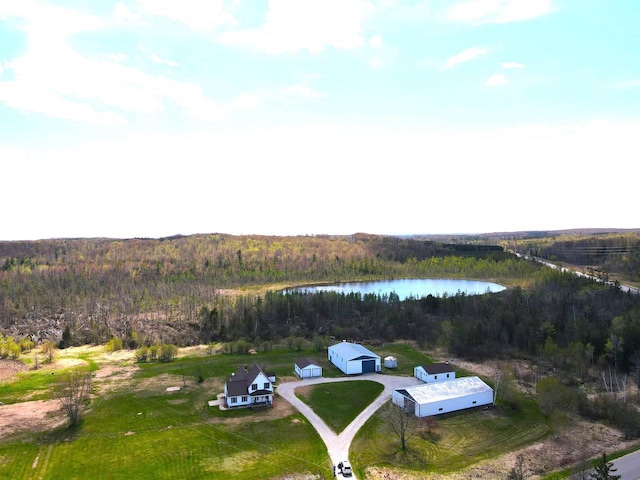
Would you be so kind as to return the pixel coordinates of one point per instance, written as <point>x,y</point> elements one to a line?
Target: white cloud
<point>200,15</point>
<point>312,25</point>
<point>632,83</point>
<point>53,79</point>
<point>123,12</point>
<point>511,65</point>
<point>301,91</point>
<point>375,41</point>
<point>499,11</point>
<point>496,80</point>
<point>464,56</point>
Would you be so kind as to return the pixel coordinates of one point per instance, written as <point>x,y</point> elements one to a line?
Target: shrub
<point>113,345</point>
<point>142,354</point>
<point>168,352</point>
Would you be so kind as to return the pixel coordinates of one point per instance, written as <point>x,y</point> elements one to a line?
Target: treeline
<point>101,287</point>
<point>619,253</point>
<point>146,292</point>
<point>573,322</point>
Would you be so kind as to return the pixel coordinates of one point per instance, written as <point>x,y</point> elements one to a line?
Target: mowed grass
<point>338,404</point>
<point>138,430</point>
<point>133,435</point>
<point>457,441</point>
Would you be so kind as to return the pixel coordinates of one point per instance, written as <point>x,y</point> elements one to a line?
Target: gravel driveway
<point>338,445</point>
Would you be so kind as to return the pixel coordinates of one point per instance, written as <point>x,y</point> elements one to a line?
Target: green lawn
<point>458,440</point>
<point>141,431</point>
<point>132,435</point>
<point>353,397</point>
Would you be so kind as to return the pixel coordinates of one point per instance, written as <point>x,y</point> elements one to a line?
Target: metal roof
<point>437,392</point>
<point>352,351</point>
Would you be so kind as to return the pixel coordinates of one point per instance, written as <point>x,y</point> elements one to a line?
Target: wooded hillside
<point>204,288</point>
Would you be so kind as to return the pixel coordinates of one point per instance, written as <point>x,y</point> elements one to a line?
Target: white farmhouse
<point>248,388</point>
<point>307,368</point>
<point>444,397</point>
<point>353,359</point>
<point>434,372</point>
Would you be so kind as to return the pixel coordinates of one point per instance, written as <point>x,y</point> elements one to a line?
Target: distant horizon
<point>584,230</point>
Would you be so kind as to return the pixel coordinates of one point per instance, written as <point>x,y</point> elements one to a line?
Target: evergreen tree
<point>603,469</point>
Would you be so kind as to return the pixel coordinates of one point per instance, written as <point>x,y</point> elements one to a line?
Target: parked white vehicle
<point>345,468</point>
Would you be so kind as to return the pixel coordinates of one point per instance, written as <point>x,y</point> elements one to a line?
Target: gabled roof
<point>436,368</point>
<point>239,382</point>
<point>353,351</point>
<point>435,392</point>
<point>305,362</point>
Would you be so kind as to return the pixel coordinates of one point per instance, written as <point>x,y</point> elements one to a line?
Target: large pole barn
<point>353,359</point>
<point>444,397</point>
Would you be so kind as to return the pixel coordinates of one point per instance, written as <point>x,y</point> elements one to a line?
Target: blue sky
<point>148,118</point>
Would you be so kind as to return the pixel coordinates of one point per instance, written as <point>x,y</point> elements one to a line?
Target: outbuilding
<point>390,362</point>
<point>353,359</point>
<point>444,397</point>
<point>434,372</point>
<point>307,368</point>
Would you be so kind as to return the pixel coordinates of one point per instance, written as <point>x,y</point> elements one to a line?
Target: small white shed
<point>434,372</point>
<point>307,368</point>
<point>390,362</point>
<point>353,359</point>
<point>444,397</point>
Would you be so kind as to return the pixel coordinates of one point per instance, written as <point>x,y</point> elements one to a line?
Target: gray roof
<point>305,362</point>
<point>436,392</point>
<point>436,368</point>
<point>239,382</point>
<point>353,351</point>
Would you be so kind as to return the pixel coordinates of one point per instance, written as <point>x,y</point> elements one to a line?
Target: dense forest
<point>205,288</point>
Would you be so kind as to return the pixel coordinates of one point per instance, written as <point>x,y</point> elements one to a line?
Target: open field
<point>134,428</point>
<point>338,414</point>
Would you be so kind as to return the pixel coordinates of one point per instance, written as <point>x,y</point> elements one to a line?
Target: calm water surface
<point>410,287</point>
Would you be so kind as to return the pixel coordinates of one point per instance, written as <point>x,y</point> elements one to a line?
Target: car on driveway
<point>345,468</point>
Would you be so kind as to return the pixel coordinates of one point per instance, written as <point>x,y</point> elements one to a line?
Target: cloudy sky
<point>148,118</point>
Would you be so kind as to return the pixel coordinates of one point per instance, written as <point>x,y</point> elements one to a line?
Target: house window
<point>267,385</point>
<point>232,400</point>
<point>447,375</point>
<point>440,409</point>
<point>436,377</point>
<point>474,402</point>
<point>254,386</point>
<point>244,399</point>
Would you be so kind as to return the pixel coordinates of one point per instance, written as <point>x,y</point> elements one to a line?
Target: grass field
<point>354,398</point>
<point>457,441</point>
<point>134,428</point>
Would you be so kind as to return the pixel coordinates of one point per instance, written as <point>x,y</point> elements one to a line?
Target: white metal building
<point>353,359</point>
<point>307,368</point>
<point>444,397</point>
<point>434,372</point>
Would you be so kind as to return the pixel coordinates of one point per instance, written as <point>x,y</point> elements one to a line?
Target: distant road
<point>624,288</point>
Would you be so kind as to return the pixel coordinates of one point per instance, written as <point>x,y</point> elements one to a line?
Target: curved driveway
<point>338,445</point>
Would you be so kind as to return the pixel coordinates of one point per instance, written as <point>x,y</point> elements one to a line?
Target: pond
<point>409,287</point>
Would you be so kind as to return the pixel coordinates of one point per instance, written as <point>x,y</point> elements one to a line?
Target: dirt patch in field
<point>8,368</point>
<point>35,416</point>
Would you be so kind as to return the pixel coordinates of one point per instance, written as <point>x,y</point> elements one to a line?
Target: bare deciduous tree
<point>72,390</point>
<point>401,421</point>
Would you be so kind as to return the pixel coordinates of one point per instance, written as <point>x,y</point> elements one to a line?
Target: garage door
<point>368,366</point>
